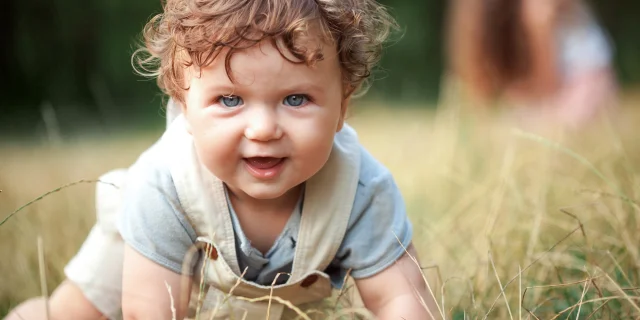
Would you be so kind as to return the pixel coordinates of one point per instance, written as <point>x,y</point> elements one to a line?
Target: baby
<point>258,199</point>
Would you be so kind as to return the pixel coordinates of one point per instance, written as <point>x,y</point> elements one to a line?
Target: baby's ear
<point>183,109</point>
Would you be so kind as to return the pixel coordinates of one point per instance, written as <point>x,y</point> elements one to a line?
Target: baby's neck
<point>284,203</point>
<point>262,221</point>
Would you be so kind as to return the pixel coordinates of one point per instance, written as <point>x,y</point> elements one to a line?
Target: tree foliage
<point>75,56</point>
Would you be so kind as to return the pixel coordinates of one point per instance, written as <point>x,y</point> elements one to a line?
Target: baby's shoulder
<point>153,165</point>
<point>376,191</point>
<point>372,171</point>
<point>163,153</point>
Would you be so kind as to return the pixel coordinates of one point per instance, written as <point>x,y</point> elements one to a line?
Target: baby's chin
<point>267,191</point>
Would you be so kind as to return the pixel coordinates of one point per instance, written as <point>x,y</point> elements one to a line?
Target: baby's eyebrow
<point>220,87</point>
<point>304,87</point>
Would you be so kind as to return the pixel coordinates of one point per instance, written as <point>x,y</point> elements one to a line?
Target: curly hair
<point>194,32</point>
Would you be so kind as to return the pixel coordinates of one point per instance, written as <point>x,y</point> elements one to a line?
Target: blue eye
<point>295,100</point>
<point>230,101</point>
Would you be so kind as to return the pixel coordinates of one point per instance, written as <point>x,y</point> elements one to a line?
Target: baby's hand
<point>396,292</point>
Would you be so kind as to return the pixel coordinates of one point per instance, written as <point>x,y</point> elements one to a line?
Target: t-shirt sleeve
<point>151,221</point>
<point>378,227</point>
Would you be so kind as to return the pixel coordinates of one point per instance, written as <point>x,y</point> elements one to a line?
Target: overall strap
<point>329,197</point>
<point>201,194</point>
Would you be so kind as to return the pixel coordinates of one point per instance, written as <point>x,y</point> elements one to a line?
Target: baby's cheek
<point>320,149</point>
<point>207,153</point>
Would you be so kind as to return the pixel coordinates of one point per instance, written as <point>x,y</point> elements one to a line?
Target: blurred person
<point>546,61</point>
<point>257,177</point>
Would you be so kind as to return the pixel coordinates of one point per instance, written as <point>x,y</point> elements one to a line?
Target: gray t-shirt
<point>153,224</point>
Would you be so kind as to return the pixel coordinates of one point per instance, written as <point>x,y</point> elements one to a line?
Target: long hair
<point>487,44</point>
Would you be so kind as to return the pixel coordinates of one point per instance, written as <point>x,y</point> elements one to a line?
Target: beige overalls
<point>218,290</point>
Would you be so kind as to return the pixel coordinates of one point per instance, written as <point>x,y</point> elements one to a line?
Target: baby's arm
<point>398,292</point>
<point>373,248</point>
<point>144,289</point>
<point>157,237</point>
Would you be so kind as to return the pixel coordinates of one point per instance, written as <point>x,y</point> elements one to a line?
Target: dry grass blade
<point>584,292</point>
<point>574,155</point>
<point>625,295</point>
<point>343,289</point>
<point>559,147</point>
<point>559,285</point>
<point>273,284</point>
<point>596,310</point>
<point>565,211</point>
<point>468,283</point>
<point>584,302</point>
<point>600,293</point>
<point>352,311</point>
<point>173,305</point>
<point>471,182</point>
<point>229,295</point>
<point>610,195</point>
<point>590,279</point>
<point>50,192</point>
<point>424,278</point>
<point>437,268</point>
<point>201,290</point>
<point>313,311</point>
<point>495,272</point>
<point>43,277</point>
<point>532,314</point>
<point>442,294</point>
<point>498,196</point>
<point>219,302</point>
<point>280,300</point>
<point>615,261</point>
<point>519,291</point>
<point>528,266</point>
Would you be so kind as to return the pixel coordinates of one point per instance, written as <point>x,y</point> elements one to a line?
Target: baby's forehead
<point>267,61</point>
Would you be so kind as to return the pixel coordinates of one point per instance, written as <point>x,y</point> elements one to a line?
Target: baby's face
<point>273,127</point>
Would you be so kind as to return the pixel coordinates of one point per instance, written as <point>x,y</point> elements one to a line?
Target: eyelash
<point>302,95</point>
<point>219,98</point>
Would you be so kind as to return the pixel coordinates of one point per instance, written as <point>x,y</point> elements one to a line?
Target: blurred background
<point>70,59</point>
<point>486,200</point>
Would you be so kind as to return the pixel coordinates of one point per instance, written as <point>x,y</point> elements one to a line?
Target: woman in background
<point>547,60</point>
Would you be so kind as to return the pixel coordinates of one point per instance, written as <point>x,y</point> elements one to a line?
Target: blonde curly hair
<point>193,33</point>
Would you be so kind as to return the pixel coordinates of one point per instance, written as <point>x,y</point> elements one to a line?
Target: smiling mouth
<point>264,167</point>
<point>263,162</point>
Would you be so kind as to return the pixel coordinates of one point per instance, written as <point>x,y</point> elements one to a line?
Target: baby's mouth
<point>263,163</point>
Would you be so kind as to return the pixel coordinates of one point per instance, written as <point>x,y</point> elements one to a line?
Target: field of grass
<point>508,224</point>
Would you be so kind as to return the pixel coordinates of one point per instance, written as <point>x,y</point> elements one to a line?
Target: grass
<point>508,224</point>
